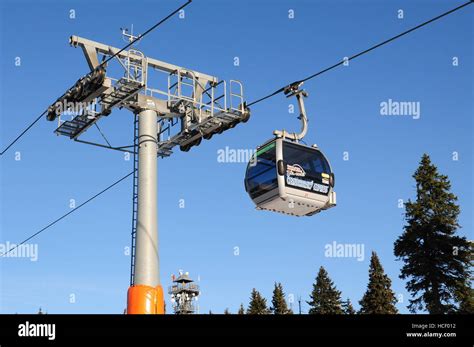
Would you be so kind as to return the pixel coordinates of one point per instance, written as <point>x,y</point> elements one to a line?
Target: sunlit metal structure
<point>188,107</point>
<point>184,294</point>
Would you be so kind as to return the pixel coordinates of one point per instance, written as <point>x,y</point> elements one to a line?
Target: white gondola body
<point>301,186</point>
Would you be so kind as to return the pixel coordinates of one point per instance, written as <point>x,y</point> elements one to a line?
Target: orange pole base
<point>143,299</point>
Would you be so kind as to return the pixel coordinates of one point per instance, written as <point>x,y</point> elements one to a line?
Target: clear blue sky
<point>84,254</point>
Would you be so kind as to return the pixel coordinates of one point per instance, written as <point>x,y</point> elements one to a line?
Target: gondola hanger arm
<point>294,90</point>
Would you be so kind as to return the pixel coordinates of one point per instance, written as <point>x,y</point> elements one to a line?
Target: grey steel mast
<point>194,104</point>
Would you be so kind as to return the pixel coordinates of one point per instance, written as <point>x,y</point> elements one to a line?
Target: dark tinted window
<point>310,159</point>
<point>261,175</point>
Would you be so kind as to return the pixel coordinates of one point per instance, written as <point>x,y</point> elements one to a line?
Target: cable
<point>146,32</point>
<point>281,89</point>
<point>363,52</point>
<point>250,104</point>
<point>103,63</point>
<point>67,214</point>
<point>23,132</point>
<point>41,115</point>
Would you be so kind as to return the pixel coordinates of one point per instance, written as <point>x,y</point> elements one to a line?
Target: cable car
<point>288,177</point>
<point>291,178</point>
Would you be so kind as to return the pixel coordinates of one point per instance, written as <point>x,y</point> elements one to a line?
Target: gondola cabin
<point>288,177</point>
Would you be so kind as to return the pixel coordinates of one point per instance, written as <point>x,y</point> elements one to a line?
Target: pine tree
<point>436,259</point>
<point>241,309</point>
<point>258,304</point>
<point>379,297</point>
<point>278,301</point>
<point>226,311</point>
<point>347,307</point>
<point>325,298</point>
<point>465,298</point>
<point>465,294</point>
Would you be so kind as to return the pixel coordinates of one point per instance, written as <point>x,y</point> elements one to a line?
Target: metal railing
<point>178,287</point>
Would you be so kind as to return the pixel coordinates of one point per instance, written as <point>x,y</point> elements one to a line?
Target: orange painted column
<point>143,299</point>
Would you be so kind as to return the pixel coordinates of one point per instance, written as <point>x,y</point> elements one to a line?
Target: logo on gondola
<point>325,178</point>
<point>295,170</point>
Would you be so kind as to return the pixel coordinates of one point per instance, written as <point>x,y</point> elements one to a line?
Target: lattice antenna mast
<point>191,106</point>
<point>184,294</point>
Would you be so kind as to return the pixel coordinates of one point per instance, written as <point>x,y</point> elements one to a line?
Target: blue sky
<point>84,254</point>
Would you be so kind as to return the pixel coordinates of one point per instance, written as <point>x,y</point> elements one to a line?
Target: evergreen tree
<point>436,259</point>
<point>258,304</point>
<point>465,294</point>
<point>241,309</point>
<point>278,301</point>
<point>325,298</point>
<point>465,297</point>
<point>226,311</point>
<point>379,297</point>
<point>347,307</point>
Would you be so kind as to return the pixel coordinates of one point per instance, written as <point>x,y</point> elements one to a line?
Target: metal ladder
<point>134,198</point>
